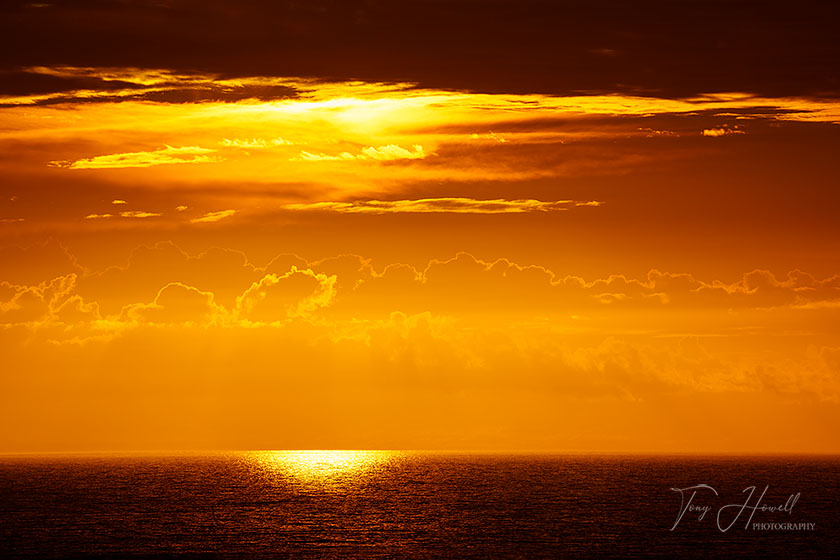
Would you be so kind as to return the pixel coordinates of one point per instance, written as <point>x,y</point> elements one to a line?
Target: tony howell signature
<point>729,514</point>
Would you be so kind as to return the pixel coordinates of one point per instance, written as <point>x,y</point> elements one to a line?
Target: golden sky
<point>204,251</point>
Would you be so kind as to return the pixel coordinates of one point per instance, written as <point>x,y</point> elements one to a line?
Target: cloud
<point>33,264</point>
<point>163,156</point>
<point>98,216</point>
<point>213,216</point>
<point>653,133</point>
<point>391,152</point>
<point>25,305</point>
<point>349,270</point>
<point>492,135</point>
<point>135,76</point>
<point>118,201</point>
<point>67,84</point>
<point>367,126</point>
<point>441,205</point>
<point>224,272</point>
<point>74,311</point>
<point>469,336</point>
<point>21,304</point>
<point>467,286</point>
<point>254,143</point>
<point>298,293</point>
<point>139,214</point>
<point>132,85</point>
<point>463,286</point>
<point>382,153</point>
<point>176,303</point>
<point>716,132</point>
<point>181,208</point>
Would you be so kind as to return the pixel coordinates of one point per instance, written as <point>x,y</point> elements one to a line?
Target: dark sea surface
<point>412,505</point>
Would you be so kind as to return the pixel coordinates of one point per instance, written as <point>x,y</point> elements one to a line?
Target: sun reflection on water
<point>323,468</point>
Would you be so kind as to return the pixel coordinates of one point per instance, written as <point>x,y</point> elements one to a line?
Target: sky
<point>557,226</point>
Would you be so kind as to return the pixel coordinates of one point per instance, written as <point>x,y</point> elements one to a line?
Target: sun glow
<point>322,467</point>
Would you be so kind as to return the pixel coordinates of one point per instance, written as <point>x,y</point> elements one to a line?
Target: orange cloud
<point>126,214</point>
<point>298,293</point>
<point>511,343</point>
<point>225,273</point>
<point>37,263</point>
<point>21,304</point>
<point>446,205</point>
<point>463,284</point>
<point>254,143</point>
<point>176,303</point>
<point>139,214</point>
<point>300,94</point>
<point>390,152</point>
<point>213,216</point>
<point>716,132</point>
<point>74,311</point>
<point>163,156</point>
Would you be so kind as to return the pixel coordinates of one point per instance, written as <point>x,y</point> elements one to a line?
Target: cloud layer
<point>446,205</point>
<point>214,338</point>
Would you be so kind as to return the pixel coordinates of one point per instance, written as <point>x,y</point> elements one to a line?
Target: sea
<point>404,504</point>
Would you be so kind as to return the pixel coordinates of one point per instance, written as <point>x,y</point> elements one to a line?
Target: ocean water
<point>369,504</point>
